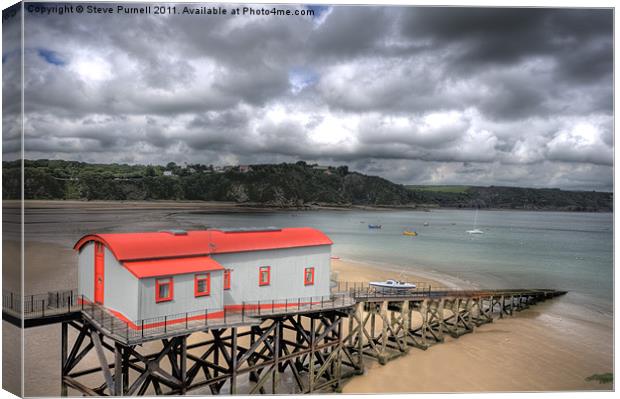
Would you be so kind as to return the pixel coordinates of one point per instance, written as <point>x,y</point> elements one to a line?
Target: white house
<point>139,276</point>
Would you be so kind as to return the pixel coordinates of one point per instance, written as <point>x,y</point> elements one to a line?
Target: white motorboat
<point>392,285</point>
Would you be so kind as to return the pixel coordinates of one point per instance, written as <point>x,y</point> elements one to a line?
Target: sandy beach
<point>540,349</point>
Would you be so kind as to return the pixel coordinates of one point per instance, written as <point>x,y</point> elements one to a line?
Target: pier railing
<point>247,312</point>
<point>362,288</point>
<point>41,305</point>
<point>366,291</point>
<point>295,305</point>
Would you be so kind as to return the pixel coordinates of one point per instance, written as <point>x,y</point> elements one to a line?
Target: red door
<point>99,273</point>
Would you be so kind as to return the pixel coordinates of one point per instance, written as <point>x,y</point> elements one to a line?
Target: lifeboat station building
<point>139,276</point>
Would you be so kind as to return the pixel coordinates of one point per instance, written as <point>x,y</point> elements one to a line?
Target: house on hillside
<point>139,276</point>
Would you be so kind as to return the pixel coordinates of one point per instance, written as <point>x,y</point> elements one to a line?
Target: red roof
<point>162,267</point>
<point>160,245</point>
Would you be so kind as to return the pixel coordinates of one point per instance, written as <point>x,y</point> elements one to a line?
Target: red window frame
<point>159,282</point>
<point>227,279</point>
<point>311,280</point>
<point>261,270</point>
<point>200,277</point>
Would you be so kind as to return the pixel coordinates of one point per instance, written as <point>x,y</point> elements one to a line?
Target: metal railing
<point>363,290</point>
<point>295,305</point>
<point>247,312</point>
<point>41,305</point>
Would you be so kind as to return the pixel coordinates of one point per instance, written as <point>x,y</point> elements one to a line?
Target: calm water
<point>570,251</point>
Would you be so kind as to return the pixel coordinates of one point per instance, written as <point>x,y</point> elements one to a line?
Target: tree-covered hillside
<point>275,185</point>
<point>514,198</point>
<point>281,185</point>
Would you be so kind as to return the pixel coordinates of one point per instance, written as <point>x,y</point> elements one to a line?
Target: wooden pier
<point>303,347</point>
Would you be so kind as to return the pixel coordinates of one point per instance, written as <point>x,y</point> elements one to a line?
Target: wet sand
<point>538,349</point>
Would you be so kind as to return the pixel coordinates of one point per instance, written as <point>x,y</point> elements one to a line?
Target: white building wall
<point>287,273</point>
<point>120,290</point>
<point>183,300</point>
<point>86,271</point>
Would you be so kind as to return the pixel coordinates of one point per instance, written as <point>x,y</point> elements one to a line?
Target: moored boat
<point>374,226</point>
<point>392,286</point>
<point>475,230</point>
<point>410,233</point>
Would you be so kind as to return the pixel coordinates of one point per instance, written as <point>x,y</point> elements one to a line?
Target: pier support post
<point>311,361</point>
<point>63,357</point>
<point>276,357</point>
<point>449,325</point>
<point>405,326</point>
<point>359,315</point>
<point>125,371</point>
<point>338,372</point>
<point>489,310</point>
<point>233,357</point>
<point>118,370</point>
<point>384,332</point>
<point>424,328</point>
<point>183,365</point>
<point>437,319</point>
<point>469,321</point>
<point>502,307</point>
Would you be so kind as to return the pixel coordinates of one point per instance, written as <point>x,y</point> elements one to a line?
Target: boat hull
<point>387,288</point>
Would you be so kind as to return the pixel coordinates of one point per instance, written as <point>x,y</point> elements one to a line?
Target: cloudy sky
<point>519,97</point>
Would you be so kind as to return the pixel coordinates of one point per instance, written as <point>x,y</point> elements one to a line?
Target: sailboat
<point>475,230</point>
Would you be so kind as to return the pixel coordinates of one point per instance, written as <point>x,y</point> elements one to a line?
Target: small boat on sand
<point>374,226</point>
<point>392,286</point>
<point>410,233</point>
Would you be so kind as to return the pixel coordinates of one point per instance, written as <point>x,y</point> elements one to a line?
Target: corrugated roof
<point>160,245</point>
<point>170,266</point>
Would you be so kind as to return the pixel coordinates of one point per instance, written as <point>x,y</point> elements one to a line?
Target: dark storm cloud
<point>352,31</point>
<point>427,95</point>
<point>506,35</point>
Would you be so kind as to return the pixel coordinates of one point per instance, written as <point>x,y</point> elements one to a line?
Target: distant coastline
<point>290,186</point>
<point>224,206</point>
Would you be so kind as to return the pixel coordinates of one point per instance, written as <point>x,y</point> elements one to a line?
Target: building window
<point>202,284</point>
<point>227,279</point>
<point>264,275</point>
<point>163,289</point>
<point>309,276</point>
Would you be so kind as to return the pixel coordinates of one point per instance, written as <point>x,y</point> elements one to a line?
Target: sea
<point>518,249</point>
